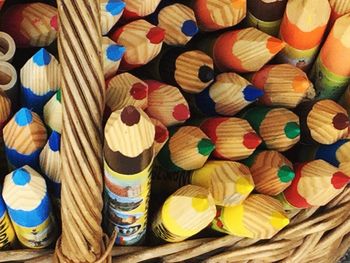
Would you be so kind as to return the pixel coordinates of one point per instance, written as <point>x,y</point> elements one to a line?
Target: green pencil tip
<point>286,174</point>
<point>205,147</point>
<point>292,130</point>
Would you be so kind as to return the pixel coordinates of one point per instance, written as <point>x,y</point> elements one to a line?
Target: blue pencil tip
<point>115,7</point>
<point>24,117</point>
<point>252,93</point>
<point>54,141</point>
<point>115,52</point>
<point>42,57</point>
<point>21,177</point>
<point>189,28</point>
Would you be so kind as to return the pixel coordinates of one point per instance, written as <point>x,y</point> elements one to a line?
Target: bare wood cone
<point>83,94</point>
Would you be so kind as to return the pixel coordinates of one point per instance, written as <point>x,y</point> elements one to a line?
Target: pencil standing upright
<point>266,15</point>
<point>128,158</point>
<point>40,79</point>
<point>302,29</point>
<point>111,11</point>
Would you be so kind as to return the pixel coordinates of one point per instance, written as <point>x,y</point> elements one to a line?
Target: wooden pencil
<point>218,14</point>
<point>266,15</point>
<point>24,137</point>
<point>111,11</point>
<point>302,29</point>
<point>50,164</point>
<point>242,51</point>
<point>128,158</point>
<point>40,79</point>
<point>179,23</point>
<point>30,25</point>
<point>135,9</point>
<point>331,71</point>
<point>125,89</point>
<point>28,204</point>
<point>184,214</point>
<point>53,112</point>
<point>8,83</point>
<point>7,47</point>
<point>112,56</point>
<point>271,171</point>
<point>228,95</point>
<point>316,183</point>
<point>258,217</point>
<point>233,137</point>
<point>283,84</point>
<point>161,135</point>
<point>339,8</point>
<point>7,233</point>
<point>191,70</point>
<point>188,148</point>
<point>323,121</point>
<point>142,40</point>
<point>166,103</point>
<point>278,127</point>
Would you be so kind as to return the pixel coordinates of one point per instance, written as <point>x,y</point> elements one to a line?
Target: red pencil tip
<point>161,134</point>
<point>139,91</point>
<point>339,180</point>
<point>251,140</point>
<point>156,35</point>
<point>181,112</point>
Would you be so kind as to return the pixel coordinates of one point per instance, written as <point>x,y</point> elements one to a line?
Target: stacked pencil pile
<point>232,112</point>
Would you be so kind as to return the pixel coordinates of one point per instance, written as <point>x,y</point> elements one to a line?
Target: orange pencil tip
<point>275,45</point>
<point>301,84</point>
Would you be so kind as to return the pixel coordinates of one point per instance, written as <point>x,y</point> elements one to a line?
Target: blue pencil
<point>111,11</point>
<point>112,56</point>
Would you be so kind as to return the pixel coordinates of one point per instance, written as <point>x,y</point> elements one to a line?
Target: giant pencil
<point>128,158</point>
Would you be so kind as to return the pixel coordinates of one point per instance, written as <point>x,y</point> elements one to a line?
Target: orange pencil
<point>166,103</point>
<point>284,85</point>
<point>218,14</point>
<point>302,28</point>
<point>339,8</point>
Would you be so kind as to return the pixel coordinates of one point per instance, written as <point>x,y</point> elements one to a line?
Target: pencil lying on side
<point>40,79</point>
<point>30,25</point>
<point>266,15</point>
<point>302,29</point>
<point>128,158</point>
<point>111,11</point>
<point>7,47</point>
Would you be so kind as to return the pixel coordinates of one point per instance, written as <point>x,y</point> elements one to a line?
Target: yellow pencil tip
<point>278,220</point>
<point>243,186</point>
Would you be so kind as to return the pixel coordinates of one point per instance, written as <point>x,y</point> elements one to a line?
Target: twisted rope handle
<point>83,89</point>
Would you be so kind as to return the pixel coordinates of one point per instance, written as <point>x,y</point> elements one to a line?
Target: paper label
<point>126,204</point>
<point>7,234</point>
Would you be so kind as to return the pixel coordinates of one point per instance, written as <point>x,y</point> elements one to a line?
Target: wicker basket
<point>314,235</point>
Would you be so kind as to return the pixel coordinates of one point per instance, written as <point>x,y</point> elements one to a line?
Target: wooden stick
<point>7,47</point>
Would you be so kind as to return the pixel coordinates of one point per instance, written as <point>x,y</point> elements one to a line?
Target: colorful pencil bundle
<point>315,184</point>
<point>229,94</point>
<point>339,8</point>
<point>29,208</point>
<point>50,163</point>
<point>111,11</point>
<point>242,51</point>
<point>188,148</point>
<point>40,79</point>
<point>184,214</point>
<point>259,217</point>
<point>271,172</point>
<point>135,9</point>
<point>179,23</point>
<point>7,47</point>
<point>283,84</point>
<point>142,40</point>
<point>166,103</point>
<point>234,138</point>
<point>331,71</point>
<point>112,56</point>
<point>24,137</point>
<point>161,135</point>
<point>7,233</point>
<point>278,127</point>
<point>53,112</point>
<point>266,15</point>
<point>323,121</point>
<point>125,89</point>
<point>128,158</point>
<point>218,14</point>
<point>192,70</point>
<point>30,25</point>
<point>302,29</point>
<point>8,83</point>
